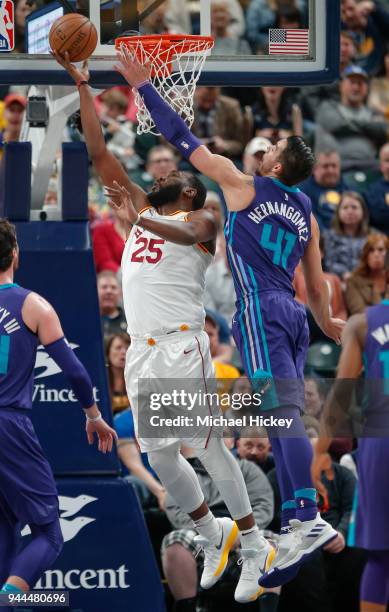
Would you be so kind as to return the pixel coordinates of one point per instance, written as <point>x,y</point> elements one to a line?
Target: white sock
<point>250,538</point>
<point>209,528</point>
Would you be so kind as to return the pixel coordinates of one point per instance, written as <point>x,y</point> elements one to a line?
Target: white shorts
<point>180,360</point>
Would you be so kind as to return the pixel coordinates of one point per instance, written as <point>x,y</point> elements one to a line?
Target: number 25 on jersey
<point>148,250</point>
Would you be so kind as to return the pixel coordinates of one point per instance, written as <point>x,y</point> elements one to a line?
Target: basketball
<point>75,34</point>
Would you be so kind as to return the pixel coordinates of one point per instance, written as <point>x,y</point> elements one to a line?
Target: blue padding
<point>53,236</point>
<point>74,181</point>
<point>107,561</point>
<point>56,261</point>
<point>17,181</point>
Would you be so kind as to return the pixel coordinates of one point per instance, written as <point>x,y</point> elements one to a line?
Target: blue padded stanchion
<point>56,261</point>
<point>75,177</point>
<point>16,181</point>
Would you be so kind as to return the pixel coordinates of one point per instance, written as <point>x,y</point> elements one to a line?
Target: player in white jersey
<point>173,272</point>
<point>171,240</point>
<point>163,291</point>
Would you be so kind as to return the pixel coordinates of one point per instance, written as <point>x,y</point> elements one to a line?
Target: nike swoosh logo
<point>186,352</point>
<point>268,561</point>
<point>221,542</point>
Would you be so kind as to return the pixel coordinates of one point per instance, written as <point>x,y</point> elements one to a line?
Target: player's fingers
<point>59,58</point>
<point>112,204</point>
<point>124,191</point>
<point>90,437</point>
<point>112,194</point>
<point>110,443</point>
<point>120,188</point>
<point>119,55</point>
<point>127,54</point>
<point>111,189</point>
<point>119,69</point>
<point>148,65</point>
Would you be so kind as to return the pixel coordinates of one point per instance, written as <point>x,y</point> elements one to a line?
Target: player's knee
<point>162,460</point>
<point>50,532</point>
<point>215,452</point>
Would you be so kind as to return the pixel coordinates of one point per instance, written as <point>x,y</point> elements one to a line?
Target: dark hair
<point>337,224</point>
<point>371,241</point>
<point>195,183</point>
<point>289,14</point>
<point>124,338</point>
<point>8,243</point>
<point>261,109</point>
<point>297,161</point>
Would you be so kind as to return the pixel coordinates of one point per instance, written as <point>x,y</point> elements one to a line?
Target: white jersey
<point>163,283</point>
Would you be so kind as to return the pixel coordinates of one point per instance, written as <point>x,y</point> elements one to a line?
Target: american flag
<point>295,42</point>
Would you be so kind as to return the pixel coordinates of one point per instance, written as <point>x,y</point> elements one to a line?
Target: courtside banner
<point>107,562</point>
<point>56,261</point>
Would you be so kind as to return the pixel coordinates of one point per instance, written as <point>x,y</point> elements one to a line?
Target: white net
<point>176,70</point>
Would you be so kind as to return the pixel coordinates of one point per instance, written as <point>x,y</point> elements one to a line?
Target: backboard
<point>297,49</point>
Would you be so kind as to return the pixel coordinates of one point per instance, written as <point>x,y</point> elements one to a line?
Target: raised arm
<point>41,318</point>
<point>108,167</point>
<point>317,288</point>
<point>237,187</point>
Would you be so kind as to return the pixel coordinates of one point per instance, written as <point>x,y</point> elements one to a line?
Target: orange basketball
<point>75,34</point>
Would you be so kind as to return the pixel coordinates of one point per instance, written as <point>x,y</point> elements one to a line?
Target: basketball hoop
<point>177,61</point>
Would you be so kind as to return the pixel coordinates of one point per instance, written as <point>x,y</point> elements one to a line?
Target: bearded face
<point>167,190</point>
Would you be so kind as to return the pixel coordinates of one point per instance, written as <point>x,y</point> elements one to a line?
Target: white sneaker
<point>216,556</point>
<point>254,564</point>
<point>305,538</point>
<point>286,543</point>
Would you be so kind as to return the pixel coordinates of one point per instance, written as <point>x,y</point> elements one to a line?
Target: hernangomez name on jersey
<point>163,283</point>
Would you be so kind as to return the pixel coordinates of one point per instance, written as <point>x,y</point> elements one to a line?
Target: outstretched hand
<point>105,434</point>
<point>334,329</point>
<point>77,74</point>
<point>120,201</point>
<point>130,67</point>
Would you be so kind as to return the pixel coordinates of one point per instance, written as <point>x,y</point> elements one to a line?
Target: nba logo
<point>7,30</point>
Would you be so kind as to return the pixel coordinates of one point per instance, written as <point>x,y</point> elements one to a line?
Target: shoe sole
<point>260,591</point>
<point>224,556</point>
<point>280,576</point>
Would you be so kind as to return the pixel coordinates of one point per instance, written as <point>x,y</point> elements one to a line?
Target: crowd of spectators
<point>346,123</point>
